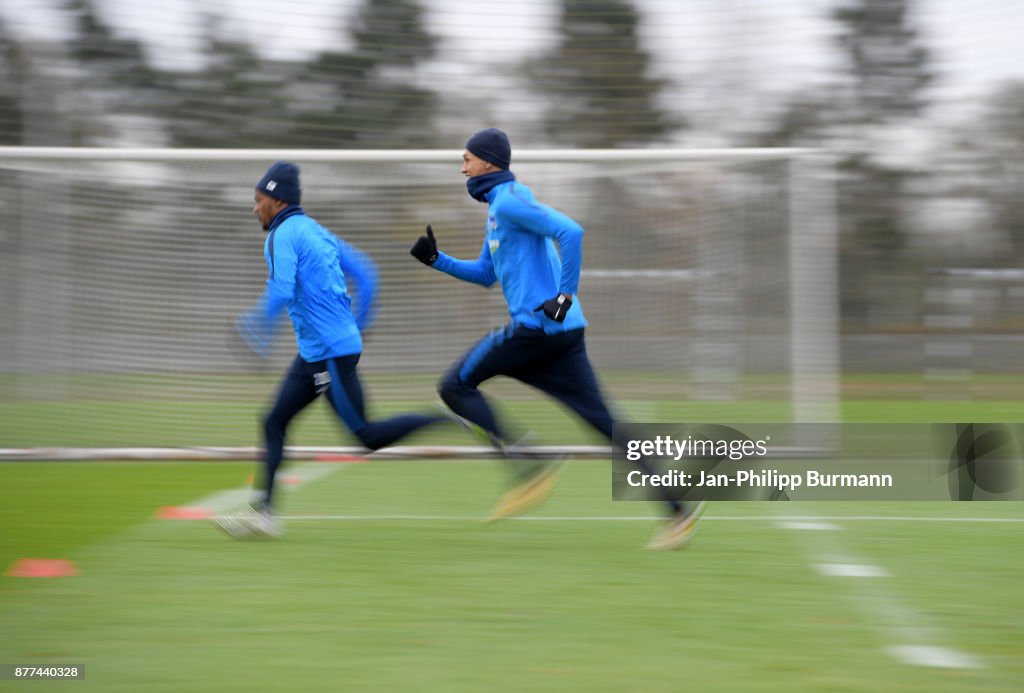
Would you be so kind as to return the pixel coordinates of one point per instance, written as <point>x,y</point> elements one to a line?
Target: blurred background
<point>919,105</point>
<point>803,210</point>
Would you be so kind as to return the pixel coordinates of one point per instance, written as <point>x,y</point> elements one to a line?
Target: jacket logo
<point>493,245</point>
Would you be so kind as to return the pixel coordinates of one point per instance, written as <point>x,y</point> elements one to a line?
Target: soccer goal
<point>709,282</point>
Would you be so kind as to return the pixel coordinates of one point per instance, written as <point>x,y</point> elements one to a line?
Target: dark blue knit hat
<point>491,145</point>
<point>281,181</point>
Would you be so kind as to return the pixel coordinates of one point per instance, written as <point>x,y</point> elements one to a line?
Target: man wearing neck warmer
<point>535,253</point>
<point>309,273</point>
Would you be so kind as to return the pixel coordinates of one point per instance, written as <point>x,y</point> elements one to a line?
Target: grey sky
<point>708,45</point>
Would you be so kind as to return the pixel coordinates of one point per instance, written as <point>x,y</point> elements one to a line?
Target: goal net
<point>709,282</point>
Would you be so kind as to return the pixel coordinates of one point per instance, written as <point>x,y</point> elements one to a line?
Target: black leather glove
<point>556,308</point>
<point>425,248</point>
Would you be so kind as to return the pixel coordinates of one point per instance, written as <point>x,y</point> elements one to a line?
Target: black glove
<point>425,248</point>
<point>556,308</point>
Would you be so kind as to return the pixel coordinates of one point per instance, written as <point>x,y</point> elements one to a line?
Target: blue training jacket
<point>308,267</point>
<point>522,242</point>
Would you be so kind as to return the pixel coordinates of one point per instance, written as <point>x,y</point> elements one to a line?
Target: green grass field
<point>387,580</point>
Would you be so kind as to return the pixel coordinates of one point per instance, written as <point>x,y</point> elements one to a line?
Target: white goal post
<point>708,275</point>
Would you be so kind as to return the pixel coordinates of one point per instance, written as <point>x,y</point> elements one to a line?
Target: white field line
<point>931,656</point>
<point>912,640</point>
<point>908,637</point>
<point>642,518</point>
<point>850,570</point>
<point>890,518</point>
<point>810,526</point>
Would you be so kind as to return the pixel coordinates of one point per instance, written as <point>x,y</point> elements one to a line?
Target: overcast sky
<point>779,45</point>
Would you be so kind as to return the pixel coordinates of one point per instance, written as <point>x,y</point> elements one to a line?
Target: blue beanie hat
<point>491,145</point>
<point>281,181</point>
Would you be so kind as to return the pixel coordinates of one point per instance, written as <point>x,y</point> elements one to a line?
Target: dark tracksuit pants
<point>556,364</point>
<point>339,380</point>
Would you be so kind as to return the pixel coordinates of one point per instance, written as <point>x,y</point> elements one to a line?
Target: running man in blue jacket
<point>535,253</point>
<point>309,270</point>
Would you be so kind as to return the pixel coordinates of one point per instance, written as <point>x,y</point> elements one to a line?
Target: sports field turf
<point>387,581</point>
